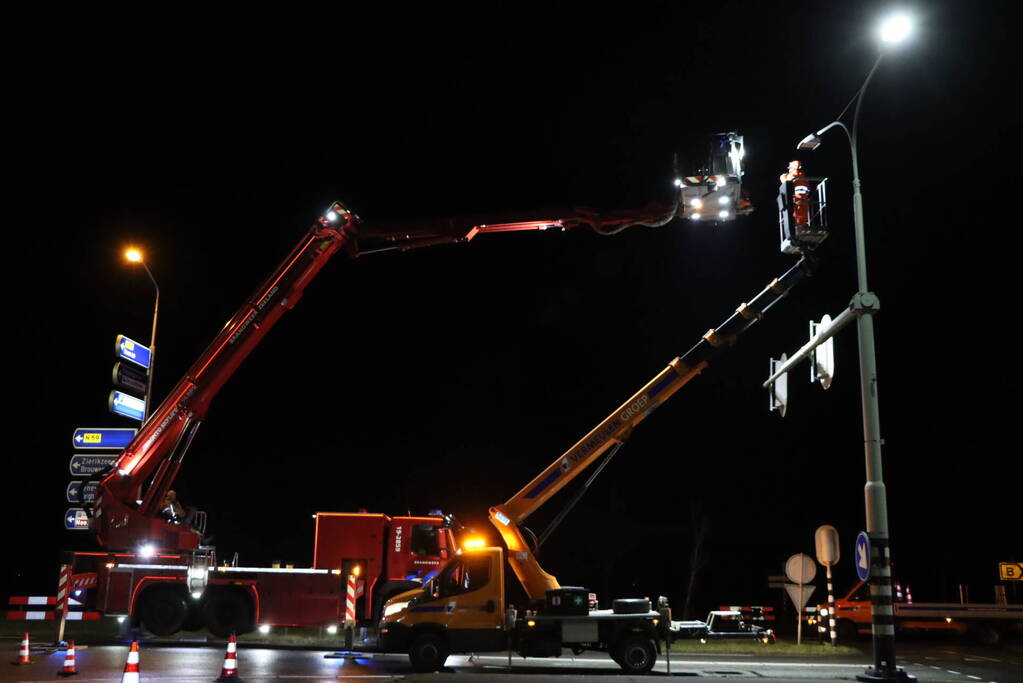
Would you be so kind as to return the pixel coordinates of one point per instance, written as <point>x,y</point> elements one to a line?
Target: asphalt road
<point>931,662</point>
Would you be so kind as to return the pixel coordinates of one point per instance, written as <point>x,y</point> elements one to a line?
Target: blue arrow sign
<point>81,492</point>
<point>863,556</point>
<point>102,438</point>
<point>75,519</point>
<point>131,350</point>
<point>126,405</point>
<point>83,465</point>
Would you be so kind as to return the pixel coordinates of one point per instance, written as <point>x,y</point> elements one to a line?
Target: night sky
<point>449,376</point>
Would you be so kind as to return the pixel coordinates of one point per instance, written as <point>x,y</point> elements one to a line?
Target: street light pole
<point>152,345</point>
<point>135,256</point>
<point>866,304</point>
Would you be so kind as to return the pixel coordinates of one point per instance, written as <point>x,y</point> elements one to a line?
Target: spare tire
<point>631,606</point>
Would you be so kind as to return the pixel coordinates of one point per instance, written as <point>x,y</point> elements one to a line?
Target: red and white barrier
<point>47,614</point>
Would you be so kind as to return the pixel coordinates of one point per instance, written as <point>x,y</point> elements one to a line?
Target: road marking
<point>953,672</point>
<point>976,678</point>
<point>696,662</point>
<point>974,658</point>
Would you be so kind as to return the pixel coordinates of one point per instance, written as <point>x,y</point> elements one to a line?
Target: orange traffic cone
<point>23,654</point>
<point>131,667</point>
<point>230,670</point>
<point>69,661</point>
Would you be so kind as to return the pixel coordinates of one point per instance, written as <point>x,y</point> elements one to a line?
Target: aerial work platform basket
<point>802,214</point>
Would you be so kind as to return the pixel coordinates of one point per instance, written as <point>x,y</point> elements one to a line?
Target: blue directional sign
<point>83,465</point>
<point>75,519</point>
<point>81,492</point>
<point>102,438</point>
<point>863,556</point>
<point>127,405</point>
<point>131,350</point>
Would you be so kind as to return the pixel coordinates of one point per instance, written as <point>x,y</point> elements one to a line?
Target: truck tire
<point>427,652</point>
<point>987,634</point>
<point>227,611</point>
<point>631,606</point>
<point>634,653</point>
<point>163,610</point>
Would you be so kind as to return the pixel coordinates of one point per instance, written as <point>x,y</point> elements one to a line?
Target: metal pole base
<point>878,675</point>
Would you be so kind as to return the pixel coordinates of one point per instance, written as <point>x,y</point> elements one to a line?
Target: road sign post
<point>779,388</point>
<point>87,464</point>
<point>102,438</point>
<point>129,377</point>
<point>822,358</point>
<point>126,405</point>
<point>79,492</point>
<point>1010,571</point>
<point>800,569</point>
<point>130,350</point>
<point>142,356</point>
<point>863,556</point>
<point>826,544</point>
<point>75,519</point>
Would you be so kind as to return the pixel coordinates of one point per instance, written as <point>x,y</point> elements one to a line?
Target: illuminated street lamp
<point>133,255</point>
<point>892,31</point>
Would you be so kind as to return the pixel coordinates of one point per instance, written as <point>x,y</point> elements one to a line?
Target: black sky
<point>448,377</point>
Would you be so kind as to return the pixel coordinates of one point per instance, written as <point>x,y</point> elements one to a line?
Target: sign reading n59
<point>105,438</point>
<point>131,350</point>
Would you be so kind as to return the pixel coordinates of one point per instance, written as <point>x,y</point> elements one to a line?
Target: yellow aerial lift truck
<point>463,608</point>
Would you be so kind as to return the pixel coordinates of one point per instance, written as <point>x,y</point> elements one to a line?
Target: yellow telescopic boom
<point>616,428</point>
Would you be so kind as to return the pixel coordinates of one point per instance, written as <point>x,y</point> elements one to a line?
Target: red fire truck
<point>158,570</point>
<point>167,592</point>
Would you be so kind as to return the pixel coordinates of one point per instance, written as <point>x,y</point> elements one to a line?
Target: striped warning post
<point>63,589</point>
<point>69,662</point>
<point>350,602</point>
<point>229,672</point>
<point>131,666</point>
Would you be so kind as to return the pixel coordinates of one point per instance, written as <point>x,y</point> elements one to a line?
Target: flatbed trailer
<point>988,623</point>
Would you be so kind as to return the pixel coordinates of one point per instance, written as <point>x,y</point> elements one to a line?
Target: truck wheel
<point>635,654</point>
<point>428,652</point>
<point>987,634</point>
<point>226,612</point>
<point>163,611</point>
<point>631,606</point>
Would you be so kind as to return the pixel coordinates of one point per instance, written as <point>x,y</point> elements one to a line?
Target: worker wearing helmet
<point>794,171</point>
<point>801,205</point>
